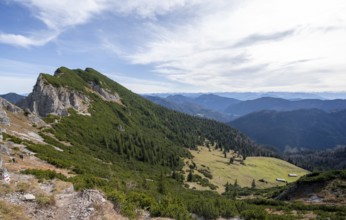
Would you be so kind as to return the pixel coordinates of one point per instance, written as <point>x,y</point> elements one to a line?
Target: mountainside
<point>188,106</point>
<point>207,106</point>
<point>311,129</point>
<point>12,97</point>
<point>278,104</point>
<point>319,187</point>
<point>49,194</point>
<point>215,102</point>
<point>99,135</point>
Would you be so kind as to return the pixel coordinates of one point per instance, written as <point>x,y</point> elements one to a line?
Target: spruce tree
<point>162,185</point>
<point>190,176</point>
<point>253,184</point>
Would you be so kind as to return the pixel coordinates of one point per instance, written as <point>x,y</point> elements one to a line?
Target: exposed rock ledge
<point>46,99</point>
<point>11,108</point>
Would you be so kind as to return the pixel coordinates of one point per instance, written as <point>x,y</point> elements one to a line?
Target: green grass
<point>257,168</point>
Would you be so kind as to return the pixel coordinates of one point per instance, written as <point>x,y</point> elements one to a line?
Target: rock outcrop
<point>4,120</point>
<point>46,99</point>
<point>11,108</point>
<point>7,106</point>
<point>105,95</point>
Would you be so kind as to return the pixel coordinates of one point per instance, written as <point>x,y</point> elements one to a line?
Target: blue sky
<point>178,45</point>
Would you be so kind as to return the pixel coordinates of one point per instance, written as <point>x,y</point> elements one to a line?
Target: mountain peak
<point>67,89</point>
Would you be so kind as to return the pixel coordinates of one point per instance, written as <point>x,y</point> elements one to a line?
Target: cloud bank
<point>220,45</point>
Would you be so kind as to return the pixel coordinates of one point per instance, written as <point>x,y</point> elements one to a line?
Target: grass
<point>257,168</point>
<point>11,212</point>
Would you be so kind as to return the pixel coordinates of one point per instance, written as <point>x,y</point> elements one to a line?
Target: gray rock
<point>47,99</point>
<point>4,120</point>
<point>29,197</point>
<point>90,209</point>
<point>4,149</point>
<point>106,95</point>
<point>6,105</point>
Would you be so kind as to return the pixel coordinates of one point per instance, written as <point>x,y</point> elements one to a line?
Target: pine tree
<point>162,185</point>
<point>235,183</point>
<point>253,184</point>
<point>235,194</point>
<point>227,187</point>
<point>231,160</point>
<point>190,176</point>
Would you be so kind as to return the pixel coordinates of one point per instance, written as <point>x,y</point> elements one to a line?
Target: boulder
<point>29,197</point>
<point>4,149</point>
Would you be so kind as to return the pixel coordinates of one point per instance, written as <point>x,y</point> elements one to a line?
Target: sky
<point>155,46</point>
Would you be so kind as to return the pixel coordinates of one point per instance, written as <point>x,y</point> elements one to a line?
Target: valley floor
<point>264,170</point>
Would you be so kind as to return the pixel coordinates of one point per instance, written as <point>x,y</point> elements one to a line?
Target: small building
<point>281,180</point>
<point>292,175</point>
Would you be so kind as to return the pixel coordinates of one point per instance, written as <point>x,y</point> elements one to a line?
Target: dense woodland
<point>329,159</point>
<point>311,129</point>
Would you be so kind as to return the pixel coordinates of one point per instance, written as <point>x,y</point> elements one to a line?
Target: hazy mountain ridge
<point>243,96</point>
<point>278,104</point>
<point>13,97</point>
<point>312,129</point>
<point>189,106</point>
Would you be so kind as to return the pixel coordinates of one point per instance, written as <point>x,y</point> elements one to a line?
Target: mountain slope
<point>131,149</point>
<point>188,106</point>
<point>215,102</point>
<point>88,92</point>
<point>312,129</point>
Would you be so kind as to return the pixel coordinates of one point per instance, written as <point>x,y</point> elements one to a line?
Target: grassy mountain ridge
<point>137,112</point>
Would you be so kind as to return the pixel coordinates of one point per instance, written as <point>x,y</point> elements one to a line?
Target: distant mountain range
<point>226,109</point>
<point>312,124</point>
<point>206,106</point>
<point>278,104</point>
<point>311,129</point>
<point>285,124</point>
<point>12,97</point>
<point>243,96</point>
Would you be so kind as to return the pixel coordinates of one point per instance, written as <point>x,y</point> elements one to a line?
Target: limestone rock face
<point>6,105</point>
<point>4,120</point>
<point>47,99</point>
<point>105,94</point>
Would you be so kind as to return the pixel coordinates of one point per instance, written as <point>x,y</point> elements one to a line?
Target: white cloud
<point>59,15</point>
<point>217,45</point>
<point>254,45</point>
<point>24,41</point>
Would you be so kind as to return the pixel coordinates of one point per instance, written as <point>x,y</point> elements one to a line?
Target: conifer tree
<point>253,184</point>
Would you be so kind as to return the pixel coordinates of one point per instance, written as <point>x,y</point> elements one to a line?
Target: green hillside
<point>264,170</point>
<point>134,152</point>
